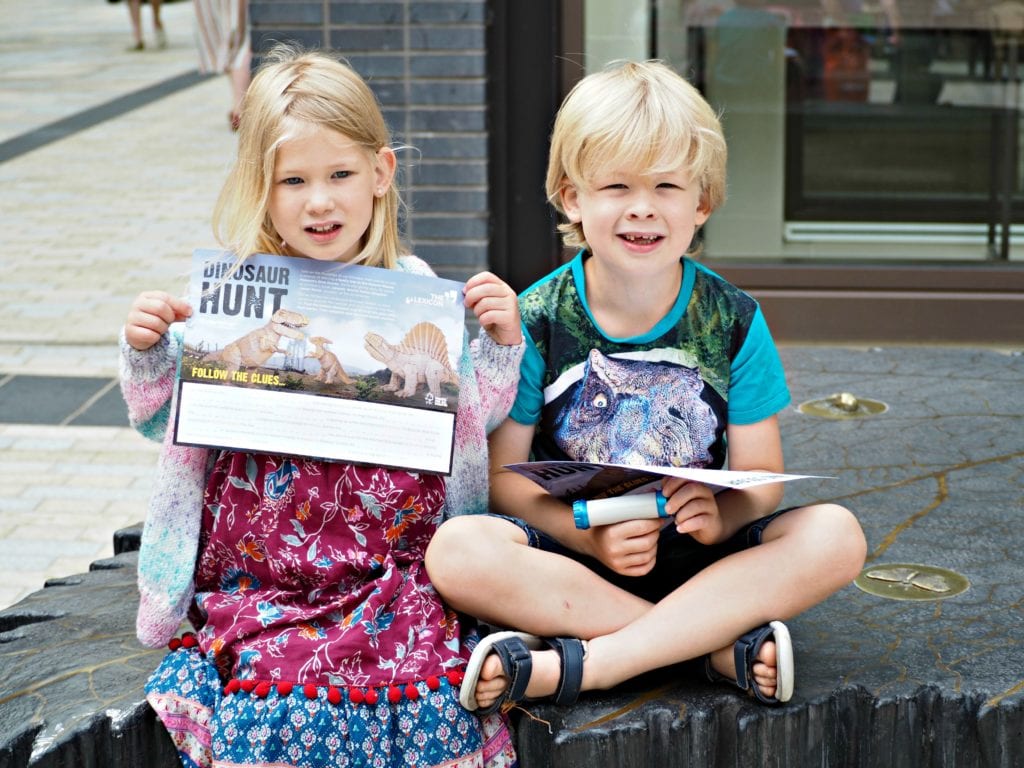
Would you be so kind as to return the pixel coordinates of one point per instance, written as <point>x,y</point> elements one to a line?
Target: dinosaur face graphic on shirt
<point>628,411</point>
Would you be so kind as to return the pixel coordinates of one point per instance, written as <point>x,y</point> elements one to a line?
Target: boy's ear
<point>569,196</point>
<point>385,170</point>
<point>703,212</point>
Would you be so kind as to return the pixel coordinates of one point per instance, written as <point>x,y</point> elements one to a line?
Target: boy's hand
<point>695,509</point>
<point>151,314</point>
<point>629,548</point>
<point>495,306</point>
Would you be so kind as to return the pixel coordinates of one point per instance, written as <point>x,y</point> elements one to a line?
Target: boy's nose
<point>640,207</point>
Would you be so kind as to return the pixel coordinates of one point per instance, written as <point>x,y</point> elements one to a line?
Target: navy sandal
<point>513,649</point>
<point>745,652</point>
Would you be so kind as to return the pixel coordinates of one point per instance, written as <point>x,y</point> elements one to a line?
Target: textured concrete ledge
<point>71,676</point>
<point>881,683</point>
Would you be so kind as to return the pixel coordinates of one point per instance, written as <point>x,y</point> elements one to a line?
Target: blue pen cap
<point>661,501</point>
<point>579,514</point>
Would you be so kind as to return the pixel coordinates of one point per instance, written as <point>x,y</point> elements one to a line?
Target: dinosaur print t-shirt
<point>663,398</point>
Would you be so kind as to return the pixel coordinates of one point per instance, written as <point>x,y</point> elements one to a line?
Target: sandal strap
<point>517,664</point>
<point>570,676</point>
<point>745,652</point>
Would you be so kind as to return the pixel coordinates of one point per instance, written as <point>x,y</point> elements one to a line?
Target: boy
<point>636,354</point>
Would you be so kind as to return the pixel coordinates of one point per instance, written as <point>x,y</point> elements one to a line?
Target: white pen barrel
<point>636,506</point>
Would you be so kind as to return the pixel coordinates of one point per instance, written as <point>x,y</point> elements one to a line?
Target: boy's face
<point>637,221</point>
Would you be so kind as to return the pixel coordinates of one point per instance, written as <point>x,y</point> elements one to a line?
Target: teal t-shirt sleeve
<point>757,385</point>
<point>530,398</point>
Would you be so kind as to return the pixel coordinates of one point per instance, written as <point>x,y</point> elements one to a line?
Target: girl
<point>351,659</point>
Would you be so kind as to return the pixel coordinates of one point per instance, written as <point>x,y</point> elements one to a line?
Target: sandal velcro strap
<point>745,651</point>
<point>570,677</point>
<point>517,663</point>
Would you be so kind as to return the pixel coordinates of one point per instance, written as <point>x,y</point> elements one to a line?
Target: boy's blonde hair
<point>635,115</point>
<point>293,90</point>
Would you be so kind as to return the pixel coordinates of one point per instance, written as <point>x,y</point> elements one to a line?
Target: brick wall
<point>425,61</point>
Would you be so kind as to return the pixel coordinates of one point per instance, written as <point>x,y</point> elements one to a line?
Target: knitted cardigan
<point>488,378</point>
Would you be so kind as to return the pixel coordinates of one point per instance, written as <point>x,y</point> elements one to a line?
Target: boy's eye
<point>668,185</point>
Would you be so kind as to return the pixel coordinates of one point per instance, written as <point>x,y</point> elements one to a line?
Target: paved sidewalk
<point>92,217</point>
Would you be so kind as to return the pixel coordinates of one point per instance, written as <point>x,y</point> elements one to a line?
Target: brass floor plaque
<point>910,581</point>
<point>842,405</point>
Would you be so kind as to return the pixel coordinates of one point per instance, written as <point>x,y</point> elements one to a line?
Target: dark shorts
<point>680,556</point>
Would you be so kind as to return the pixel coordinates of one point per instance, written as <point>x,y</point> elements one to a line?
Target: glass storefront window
<point>885,129</point>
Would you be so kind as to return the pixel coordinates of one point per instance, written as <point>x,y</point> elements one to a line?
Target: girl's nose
<point>319,200</point>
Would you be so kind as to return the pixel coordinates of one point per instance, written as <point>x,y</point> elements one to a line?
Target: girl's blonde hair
<point>291,90</point>
<point>636,115</point>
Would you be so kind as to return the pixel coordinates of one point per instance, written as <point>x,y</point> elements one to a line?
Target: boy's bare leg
<point>807,554</point>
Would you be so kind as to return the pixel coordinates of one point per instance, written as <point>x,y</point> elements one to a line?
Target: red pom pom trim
<point>310,690</point>
<point>284,689</point>
<point>248,685</point>
<point>334,696</point>
<point>262,689</point>
<point>433,683</point>
<point>394,694</point>
<point>356,696</point>
<point>189,641</point>
<point>412,692</point>
<point>371,697</point>
<point>174,644</point>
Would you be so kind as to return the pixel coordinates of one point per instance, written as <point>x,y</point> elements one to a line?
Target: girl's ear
<point>385,170</point>
<point>569,197</point>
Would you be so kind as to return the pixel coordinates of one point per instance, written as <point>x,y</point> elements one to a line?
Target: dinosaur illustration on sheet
<point>254,348</point>
<point>421,357</point>
<point>330,365</point>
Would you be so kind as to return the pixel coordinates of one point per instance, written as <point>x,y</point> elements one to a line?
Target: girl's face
<point>322,193</point>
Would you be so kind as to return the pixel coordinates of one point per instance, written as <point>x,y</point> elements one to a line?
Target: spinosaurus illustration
<point>330,365</point>
<point>421,357</point>
<point>254,348</point>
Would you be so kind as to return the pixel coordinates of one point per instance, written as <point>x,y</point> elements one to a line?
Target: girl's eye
<point>341,174</point>
<point>291,180</point>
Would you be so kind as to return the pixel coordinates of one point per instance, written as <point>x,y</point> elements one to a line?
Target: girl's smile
<point>323,191</point>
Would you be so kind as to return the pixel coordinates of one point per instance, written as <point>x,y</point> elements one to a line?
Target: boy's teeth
<point>641,238</point>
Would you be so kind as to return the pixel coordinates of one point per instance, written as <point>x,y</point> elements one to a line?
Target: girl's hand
<point>695,509</point>
<point>495,306</point>
<point>151,314</point>
<point>629,547</point>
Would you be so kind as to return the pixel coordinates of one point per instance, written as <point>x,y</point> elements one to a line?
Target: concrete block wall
<point>425,60</point>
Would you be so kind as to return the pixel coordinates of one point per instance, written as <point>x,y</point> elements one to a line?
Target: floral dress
<point>320,641</point>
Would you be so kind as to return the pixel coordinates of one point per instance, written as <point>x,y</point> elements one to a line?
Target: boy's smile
<point>625,214</point>
<point>322,193</point>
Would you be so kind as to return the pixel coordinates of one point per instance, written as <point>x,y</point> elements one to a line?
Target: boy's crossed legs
<point>485,566</point>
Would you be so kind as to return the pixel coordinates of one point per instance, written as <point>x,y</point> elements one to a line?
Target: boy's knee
<point>848,545</point>
<point>453,551</point>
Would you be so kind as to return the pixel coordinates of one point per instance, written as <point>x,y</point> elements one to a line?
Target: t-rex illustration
<point>330,365</point>
<point>422,356</point>
<point>256,347</point>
